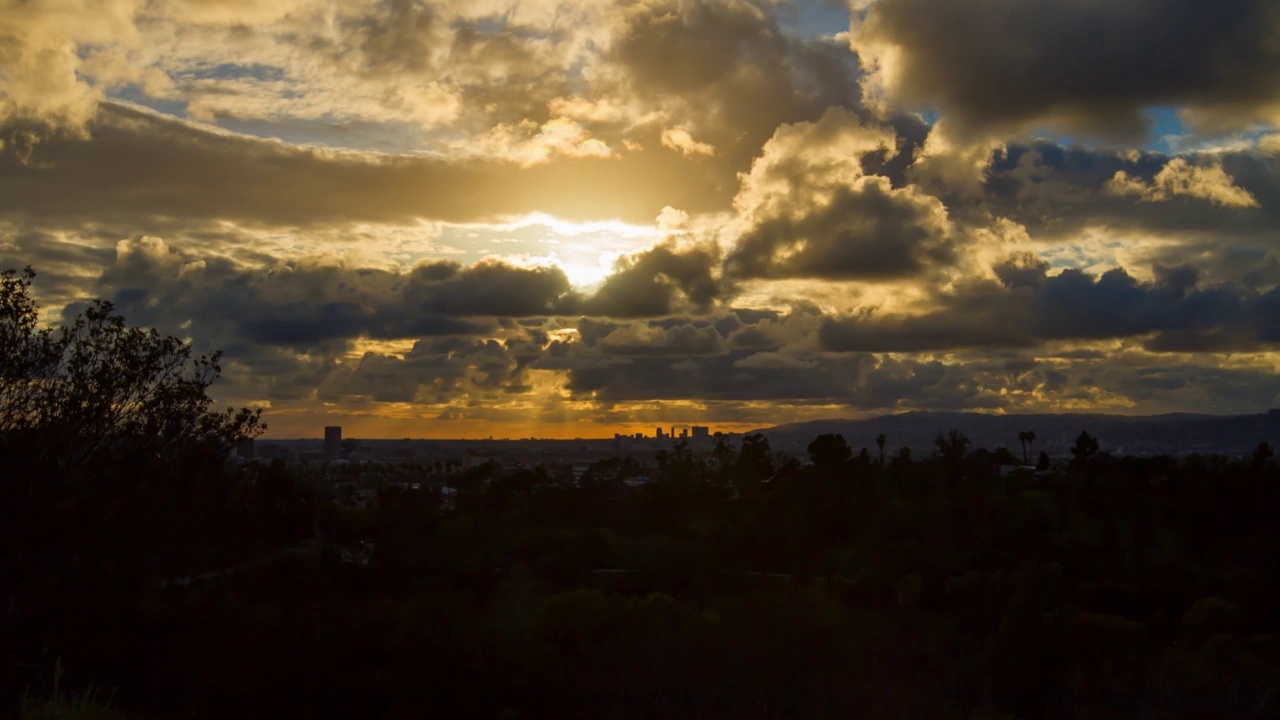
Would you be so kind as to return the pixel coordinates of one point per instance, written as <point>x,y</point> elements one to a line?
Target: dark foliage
<point>721,584</point>
<point>112,459</point>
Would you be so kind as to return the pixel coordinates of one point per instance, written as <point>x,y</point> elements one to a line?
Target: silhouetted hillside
<point>1150,434</point>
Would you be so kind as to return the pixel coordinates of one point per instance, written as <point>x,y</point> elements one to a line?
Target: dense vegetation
<point>736,583</point>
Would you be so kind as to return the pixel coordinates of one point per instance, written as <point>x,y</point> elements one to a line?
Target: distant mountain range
<point>1175,433</point>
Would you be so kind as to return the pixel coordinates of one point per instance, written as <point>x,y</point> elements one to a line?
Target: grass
<point>61,706</point>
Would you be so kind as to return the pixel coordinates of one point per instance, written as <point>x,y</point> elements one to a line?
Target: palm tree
<point>1031,442</point>
<point>880,439</point>
<point>1022,438</point>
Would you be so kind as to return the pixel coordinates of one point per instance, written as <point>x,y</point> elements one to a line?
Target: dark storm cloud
<point>435,371</point>
<point>745,375</point>
<point>288,330</point>
<point>1031,307</point>
<point>1219,210</point>
<point>1083,64</point>
<point>309,324</point>
<point>695,359</point>
<point>663,280</point>
<point>810,209</point>
<point>61,265</point>
<point>868,231</point>
<point>991,379</point>
<point>729,72</point>
<point>681,340</point>
<point>312,305</point>
<point>486,288</point>
<point>1057,191</point>
<point>714,378</point>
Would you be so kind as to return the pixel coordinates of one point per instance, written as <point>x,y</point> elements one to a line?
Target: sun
<point>584,276</point>
<point>585,251</point>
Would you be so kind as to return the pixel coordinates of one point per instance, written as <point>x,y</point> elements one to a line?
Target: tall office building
<point>701,432</point>
<point>332,442</point>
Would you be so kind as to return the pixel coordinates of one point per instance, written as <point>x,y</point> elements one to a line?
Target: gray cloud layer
<point>139,165</point>
<point>1087,65</point>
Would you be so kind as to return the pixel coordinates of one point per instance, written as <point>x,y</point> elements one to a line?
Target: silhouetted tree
<point>755,461</point>
<point>952,447</point>
<point>1262,453</point>
<point>1043,463</point>
<point>722,454</point>
<point>98,390</point>
<point>1028,439</point>
<point>1083,451</point>
<point>880,440</point>
<point>829,452</point>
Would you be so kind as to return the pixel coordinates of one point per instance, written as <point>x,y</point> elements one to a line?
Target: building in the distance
<point>332,443</point>
<point>701,432</point>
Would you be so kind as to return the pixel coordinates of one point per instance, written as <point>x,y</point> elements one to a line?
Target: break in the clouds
<point>561,217</point>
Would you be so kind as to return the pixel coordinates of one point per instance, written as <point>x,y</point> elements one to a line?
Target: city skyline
<point>570,218</point>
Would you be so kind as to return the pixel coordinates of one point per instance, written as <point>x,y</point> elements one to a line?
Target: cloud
<point>45,75</point>
<point>681,141</point>
<point>813,212</point>
<point>1178,178</point>
<point>140,166</point>
<point>303,333</point>
<point>1030,308</point>
<point>325,179</point>
<point>868,231</point>
<point>663,280</point>
<point>1069,197</point>
<point>682,340</point>
<point>775,361</point>
<point>320,302</point>
<point>1078,65</point>
<point>529,143</point>
<point>434,372</point>
<point>725,72</point>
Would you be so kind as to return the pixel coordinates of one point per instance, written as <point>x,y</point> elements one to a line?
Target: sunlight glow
<point>585,251</point>
<point>585,276</point>
<point>567,228</point>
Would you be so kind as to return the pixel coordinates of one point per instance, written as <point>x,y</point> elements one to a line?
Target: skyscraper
<point>332,442</point>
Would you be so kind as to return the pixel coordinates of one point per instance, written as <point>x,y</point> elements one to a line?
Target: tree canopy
<point>72,395</point>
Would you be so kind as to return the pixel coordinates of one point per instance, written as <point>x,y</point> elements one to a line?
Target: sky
<point>570,218</point>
